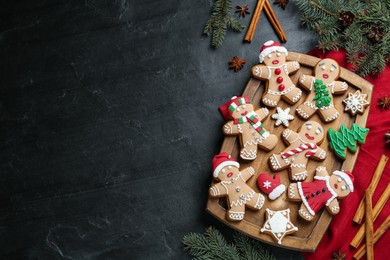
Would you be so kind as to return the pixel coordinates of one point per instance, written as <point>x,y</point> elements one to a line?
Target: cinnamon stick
<point>369,226</point>
<point>378,234</point>
<point>374,182</point>
<point>274,21</point>
<point>255,19</point>
<point>376,211</point>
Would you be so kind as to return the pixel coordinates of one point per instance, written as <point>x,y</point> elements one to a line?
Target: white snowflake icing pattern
<point>267,184</point>
<point>282,116</point>
<point>355,102</point>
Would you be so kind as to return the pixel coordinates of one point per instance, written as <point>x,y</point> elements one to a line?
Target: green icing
<point>322,97</point>
<point>346,138</point>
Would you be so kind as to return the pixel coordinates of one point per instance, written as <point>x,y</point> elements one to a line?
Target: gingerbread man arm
<point>260,72</point>
<point>333,207</point>
<point>218,190</point>
<point>320,154</point>
<point>292,66</point>
<point>306,81</point>
<point>339,87</point>
<point>289,136</point>
<point>231,129</point>
<point>321,171</point>
<point>262,113</point>
<point>247,173</point>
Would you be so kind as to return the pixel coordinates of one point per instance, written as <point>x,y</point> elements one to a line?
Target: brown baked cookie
<point>302,146</point>
<point>232,184</point>
<point>278,224</point>
<point>323,191</point>
<point>322,86</point>
<point>355,103</point>
<point>275,71</point>
<point>247,124</point>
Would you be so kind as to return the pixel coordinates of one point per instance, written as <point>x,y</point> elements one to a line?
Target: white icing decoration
<point>355,102</point>
<point>278,224</point>
<point>267,184</point>
<point>282,116</point>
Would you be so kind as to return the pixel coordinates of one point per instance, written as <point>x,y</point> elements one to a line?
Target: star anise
<point>376,34</point>
<point>236,63</point>
<point>242,10</point>
<point>387,137</point>
<point>281,3</point>
<point>338,255</point>
<point>346,17</point>
<point>384,102</point>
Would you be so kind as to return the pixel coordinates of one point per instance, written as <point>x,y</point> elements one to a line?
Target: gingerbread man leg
<point>328,113</point>
<point>304,213</point>
<point>269,143</point>
<point>277,163</point>
<point>293,96</point>
<point>271,100</point>
<point>293,192</point>
<point>307,109</point>
<point>256,202</point>
<point>236,212</point>
<point>298,172</point>
<point>249,150</point>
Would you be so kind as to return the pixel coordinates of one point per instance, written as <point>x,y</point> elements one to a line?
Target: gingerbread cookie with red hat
<point>322,86</point>
<point>322,192</point>
<point>275,71</point>
<point>232,184</point>
<point>303,145</point>
<point>246,123</point>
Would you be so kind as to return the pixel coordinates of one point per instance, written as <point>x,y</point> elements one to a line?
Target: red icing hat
<point>221,160</point>
<point>228,108</point>
<point>270,47</point>
<point>347,176</point>
<point>270,185</point>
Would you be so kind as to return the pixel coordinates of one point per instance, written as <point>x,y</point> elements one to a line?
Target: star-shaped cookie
<point>278,224</point>
<point>355,103</point>
<point>282,116</point>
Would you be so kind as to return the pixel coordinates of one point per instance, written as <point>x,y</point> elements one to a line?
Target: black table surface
<point>109,123</point>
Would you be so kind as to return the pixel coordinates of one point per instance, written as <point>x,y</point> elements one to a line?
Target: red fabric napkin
<point>342,229</point>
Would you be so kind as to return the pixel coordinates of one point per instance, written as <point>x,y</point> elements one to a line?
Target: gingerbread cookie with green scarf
<point>247,124</point>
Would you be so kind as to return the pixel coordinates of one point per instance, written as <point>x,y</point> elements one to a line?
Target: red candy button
<point>281,87</point>
<point>279,79</point>
<point>277,71</point>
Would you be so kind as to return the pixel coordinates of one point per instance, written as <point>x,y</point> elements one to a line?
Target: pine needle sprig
<point>360,27</point>
<point>220,20</point>
<point>212,245</point>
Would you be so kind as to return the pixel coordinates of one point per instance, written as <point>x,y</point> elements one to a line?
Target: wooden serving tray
<point>309,234</point>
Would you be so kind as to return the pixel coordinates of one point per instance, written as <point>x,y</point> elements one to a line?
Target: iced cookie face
<point>339,185</point>
<point>242,110</point>
<point>227,173</point>
<point>275,59</point>
<point>311,132</point>
<point>327,70</point>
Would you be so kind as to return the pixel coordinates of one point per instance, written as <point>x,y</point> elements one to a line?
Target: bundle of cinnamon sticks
<point>264,4</point>
<point>370,214</point>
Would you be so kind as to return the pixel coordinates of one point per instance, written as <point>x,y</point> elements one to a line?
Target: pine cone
<point>346,17</point>
<point>376,34</point>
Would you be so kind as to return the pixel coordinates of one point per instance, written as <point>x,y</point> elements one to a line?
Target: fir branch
<point>219,21</point>
<point>212,245</point>
<point>349,25</point>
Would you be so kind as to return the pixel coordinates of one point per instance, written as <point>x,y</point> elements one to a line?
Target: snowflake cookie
<point>356,103</point>
<point>278,224</point>
<point>282,116</point>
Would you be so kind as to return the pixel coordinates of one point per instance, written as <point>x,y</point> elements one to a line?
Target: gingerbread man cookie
<point>233,185</point>
<point>323,191</point>
<point>276,71</point>
<point>303,146</point>
<point>247,124</point>
<point>322,86</point>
